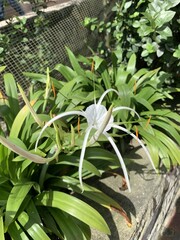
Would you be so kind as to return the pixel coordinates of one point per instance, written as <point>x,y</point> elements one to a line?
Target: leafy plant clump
<point>148,28</point>
<point>42,201</point>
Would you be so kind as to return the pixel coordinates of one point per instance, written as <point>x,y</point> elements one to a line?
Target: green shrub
<point>148,28</point>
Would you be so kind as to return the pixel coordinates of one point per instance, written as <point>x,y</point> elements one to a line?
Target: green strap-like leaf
<point>174,151</point>
<point>11,91</point>
<point>74,161</point>
<point>16,197</point>
<point>170,130</point>
<point>17,232</point>
<point>146,76</point>
<point>131,66</point>
<point>163,113</point>
<point>90,192</point>
<point>65,222</point>
<point>66,71</point>
<point>19,120</point>
<point>74,207</point>
<point>1,227</point>
<point>33,229</point>
<point>74,62</point>
<point>42,78</point>
<point>49,221</point>
<point>28,104</point>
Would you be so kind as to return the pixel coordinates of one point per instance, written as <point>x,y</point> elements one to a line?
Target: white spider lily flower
<point>102,120</point>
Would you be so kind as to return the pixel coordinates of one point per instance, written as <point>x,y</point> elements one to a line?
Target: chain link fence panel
<point>33,44</point>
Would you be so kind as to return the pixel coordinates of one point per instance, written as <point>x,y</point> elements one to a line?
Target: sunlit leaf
<point>16,197</point>
<point>74,207</point>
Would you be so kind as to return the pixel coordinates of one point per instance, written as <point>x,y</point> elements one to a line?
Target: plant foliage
<point>38,201</point>
<point>148,28</point>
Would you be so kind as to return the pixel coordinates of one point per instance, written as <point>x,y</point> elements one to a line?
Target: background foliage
<point>30,36</point>
<point>148,28</point>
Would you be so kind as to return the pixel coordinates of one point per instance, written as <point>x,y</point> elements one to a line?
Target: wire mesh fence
<point>33,44</point>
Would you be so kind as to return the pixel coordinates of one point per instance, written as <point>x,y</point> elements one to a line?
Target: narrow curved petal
<point>120,159</point>
<point>125,108</point>
<point>54,119</point>
<point>82,155</point>
<point>104,94</point>
<point>138,140</point>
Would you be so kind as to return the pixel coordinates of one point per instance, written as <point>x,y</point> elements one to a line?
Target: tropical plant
<point>37,200</point>
<point>141,90</point>
<point>100,119</point>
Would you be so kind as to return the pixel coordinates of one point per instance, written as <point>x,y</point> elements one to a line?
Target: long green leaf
<point>74,207</point>
<point>11,92</point>
<point>28,104</point>
<point>66,71</point>
<point>16,197</point>
<point>19,120</point>
<point>154,152</point>
<point>74,161</point>
<point>49,221</point>
<point>42,78</point>
<point>33,229</point>
<point>144,102</point>
<point>1,227</point>
<point>89,191</point>
<point>17,232</point>
<point>131,66</point>
<point>65,222</point>
<point>158,144</point>
<point>145,77</point>
<point>74,62</point>
<point>170,130</point>
<point>33,212</point>
<point>136,76</point>
<point>163,113</point>
<point>174,151</point>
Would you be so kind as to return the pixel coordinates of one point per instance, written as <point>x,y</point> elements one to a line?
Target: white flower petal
<point>88,130</point>
<point>61,115</point>
<point>105,93</point>
<point>138,140</point>
<point>125,108</point>
<point>120,159</point>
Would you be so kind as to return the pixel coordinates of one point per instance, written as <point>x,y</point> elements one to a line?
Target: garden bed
<point>101,102</point>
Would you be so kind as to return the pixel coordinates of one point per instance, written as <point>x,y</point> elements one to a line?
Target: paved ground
<point>147,205</point>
